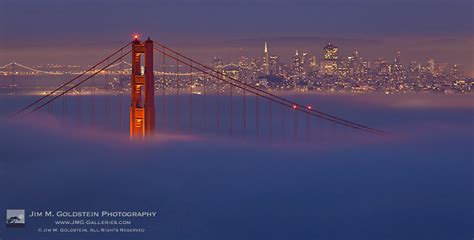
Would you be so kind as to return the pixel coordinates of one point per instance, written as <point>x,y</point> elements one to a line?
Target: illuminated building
<point>232,70</point>
<point>304,62</point>
<point>414,67</point>
<point>343,69</point>
<point>266,60</point>
<point>330,55</point>
<point>218,64</point>
<point>355,64</point>
<point>431,67</point>
<point>328,67</point>
<point>331,52</point>
<point>413,70</point>
<point>275,66</point>
<point>397,67</point>
<point>298,66</point>
<point>455,72</point>
<point>381,67</point>
<point>313,64</point>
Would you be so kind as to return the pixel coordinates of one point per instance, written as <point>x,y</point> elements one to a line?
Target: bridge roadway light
<point>294,106</point>
<point>309,107</point>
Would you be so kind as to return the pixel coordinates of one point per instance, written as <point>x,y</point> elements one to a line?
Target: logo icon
<point>15,218</point>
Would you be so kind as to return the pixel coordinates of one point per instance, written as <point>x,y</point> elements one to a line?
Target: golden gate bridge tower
<point>142,90</point>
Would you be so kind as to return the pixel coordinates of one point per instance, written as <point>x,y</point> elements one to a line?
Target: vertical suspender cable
<point>231,109</point>
<point>177,93</point>
<point>191,84</point>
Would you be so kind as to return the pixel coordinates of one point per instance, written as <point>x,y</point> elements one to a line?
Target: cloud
<point>207,187</point>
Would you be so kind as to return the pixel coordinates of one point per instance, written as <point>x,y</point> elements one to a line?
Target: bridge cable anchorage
<point>289,102</point>
<point>68,82</point>
<point>277,100</point>
<point>75,85</point>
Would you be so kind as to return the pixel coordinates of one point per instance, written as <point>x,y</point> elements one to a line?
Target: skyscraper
<point>397,67</point>
<point>431,67</point>
<point>355,64</point>
<point>298,66</point>
<point>274,65</point>
<point>331,52</point>
<point>329,64</point>
<point>381,67</point>
<point>266,60</point>
<point>313,64</point>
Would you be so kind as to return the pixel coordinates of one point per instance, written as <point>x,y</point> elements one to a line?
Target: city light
<point>303,72</point>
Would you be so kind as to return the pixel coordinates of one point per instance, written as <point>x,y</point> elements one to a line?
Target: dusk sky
<point>336,147</point>
<point>421,29</point>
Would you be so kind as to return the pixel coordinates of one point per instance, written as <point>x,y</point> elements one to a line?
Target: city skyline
<point>329,70</point>
<point>287,53</point>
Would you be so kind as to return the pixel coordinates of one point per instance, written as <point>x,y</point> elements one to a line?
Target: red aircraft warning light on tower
<point>142,86</point>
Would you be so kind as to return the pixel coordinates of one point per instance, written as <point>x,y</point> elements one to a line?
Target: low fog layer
<point>416,184</point>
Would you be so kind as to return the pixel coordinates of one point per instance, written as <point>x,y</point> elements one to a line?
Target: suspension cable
<point>68,82</point>
<point>76,85</point>
<point>278,100</point>
<point>273,95</point>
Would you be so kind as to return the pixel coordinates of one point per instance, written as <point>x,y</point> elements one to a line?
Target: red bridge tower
<point>142,90</point>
